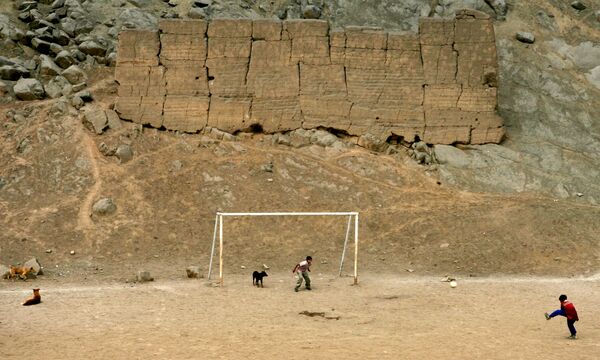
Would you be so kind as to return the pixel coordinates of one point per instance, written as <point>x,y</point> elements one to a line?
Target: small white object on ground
<point>453,283</point>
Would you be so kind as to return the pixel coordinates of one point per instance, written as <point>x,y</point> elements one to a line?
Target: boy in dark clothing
<point>567,309</point>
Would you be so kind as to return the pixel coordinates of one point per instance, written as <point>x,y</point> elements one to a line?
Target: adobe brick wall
<point>439,85</point>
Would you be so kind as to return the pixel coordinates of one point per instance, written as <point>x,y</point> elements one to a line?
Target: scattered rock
<point>202,3</point>
<point>422,153</point>
<point>196,13</point>
<point>111,59</point>
<point>94,118</point>
<point>124,153</point>
<point>499,7</point>
<point>74,74</point>
<point>144,276</point>
<point>13,72</point>
<point>114,122</point>
<point>72,252</point>
<point>267,167</point>
<point>311,12</point>
<point>64,59</point>
<point>47,67</point>
<point>40,45</point>
<point>106,150</point>
<point>104,206</point>
<point>29,89</point>
<point>85,95</point>
<point>35,264</point>
<point>193,272</point>
<point>4,272</point>
<point>138,19</point>
<point>77,102</point>
<point>372,142</point>
<point>92,48</point>
<point>578,5</point>
<point>525,37</point>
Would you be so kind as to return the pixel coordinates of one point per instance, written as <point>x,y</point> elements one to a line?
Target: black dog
<point>258,276</point>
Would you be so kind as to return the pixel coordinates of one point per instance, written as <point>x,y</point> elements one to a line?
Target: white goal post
<point>219,225</point>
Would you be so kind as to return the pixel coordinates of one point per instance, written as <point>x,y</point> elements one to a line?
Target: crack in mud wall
<point>237,74</point>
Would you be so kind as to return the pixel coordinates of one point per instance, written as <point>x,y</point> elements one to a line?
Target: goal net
<point>219,224</point>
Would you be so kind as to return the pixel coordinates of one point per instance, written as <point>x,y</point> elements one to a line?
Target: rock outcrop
<point>438,86</point>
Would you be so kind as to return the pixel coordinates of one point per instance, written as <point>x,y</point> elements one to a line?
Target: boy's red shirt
<point>569,310</point>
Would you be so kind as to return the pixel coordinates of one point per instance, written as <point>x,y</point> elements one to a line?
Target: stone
<point>114,122</point>
<point>140,3</point>
<point>311,12</point>
<point>124,153</point>
<point>29,89</point>
<point>53,90</point>
<point>77,102</point>
<point>196,13</point>
<point>525,37</point>
<point>451,156</point>
<point>4,91</point>
<point>4,272</point>
<point>372,142</point>
<point>578,5</point>
<point>91,47</point>
<point>79,87</point>
<point>94,118</point>
<point>138,19</point>
<point>83,26</point>
<point>74,74</point>
<point>111,59</point>
<point>57,4</point>
<point>35,264</point>
<point>41,45</point>
<point>13,72</point>
<point>144,276</point>
<point>202,3</point>
<point>499,7</point>
<point>26,5</point>
<point>104,206</point>
<point>85,95</point>
<point>47,67</point>
<point>64,59</point>
<point>61,37</point>
<point>193,272</point>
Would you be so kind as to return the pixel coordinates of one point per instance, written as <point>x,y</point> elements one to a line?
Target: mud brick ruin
<point>438,85</point>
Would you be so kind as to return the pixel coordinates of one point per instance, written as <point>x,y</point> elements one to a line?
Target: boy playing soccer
<point>567,309</point>
<point>301,270</point>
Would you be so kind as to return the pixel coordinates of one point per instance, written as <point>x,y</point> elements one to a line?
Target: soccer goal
<point>352,216</point>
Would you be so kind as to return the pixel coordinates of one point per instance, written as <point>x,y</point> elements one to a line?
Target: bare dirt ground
<point>384,317</point>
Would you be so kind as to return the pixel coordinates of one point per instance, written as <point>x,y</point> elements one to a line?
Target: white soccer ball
<point>453,284</point>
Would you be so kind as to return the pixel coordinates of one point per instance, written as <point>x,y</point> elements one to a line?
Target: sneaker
<point>572,337</point>
<point>308,288</point>
<point>296,289</point>
<point>547,316</point>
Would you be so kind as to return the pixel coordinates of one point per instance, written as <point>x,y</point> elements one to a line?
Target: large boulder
<point>29,89</point>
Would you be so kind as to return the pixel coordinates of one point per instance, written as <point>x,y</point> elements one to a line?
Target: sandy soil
<point>384,317</point>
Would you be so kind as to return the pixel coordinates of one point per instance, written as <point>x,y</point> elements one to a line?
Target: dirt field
<point>384,317</point>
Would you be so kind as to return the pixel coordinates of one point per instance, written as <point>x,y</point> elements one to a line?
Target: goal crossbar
<point>219,224</point>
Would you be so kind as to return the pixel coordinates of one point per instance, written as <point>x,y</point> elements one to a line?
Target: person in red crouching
<point>567,309</point>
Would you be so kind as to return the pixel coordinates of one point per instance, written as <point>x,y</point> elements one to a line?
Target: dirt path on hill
<point>385,317</point>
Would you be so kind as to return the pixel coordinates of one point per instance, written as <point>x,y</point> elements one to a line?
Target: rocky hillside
<point>528,205</point>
